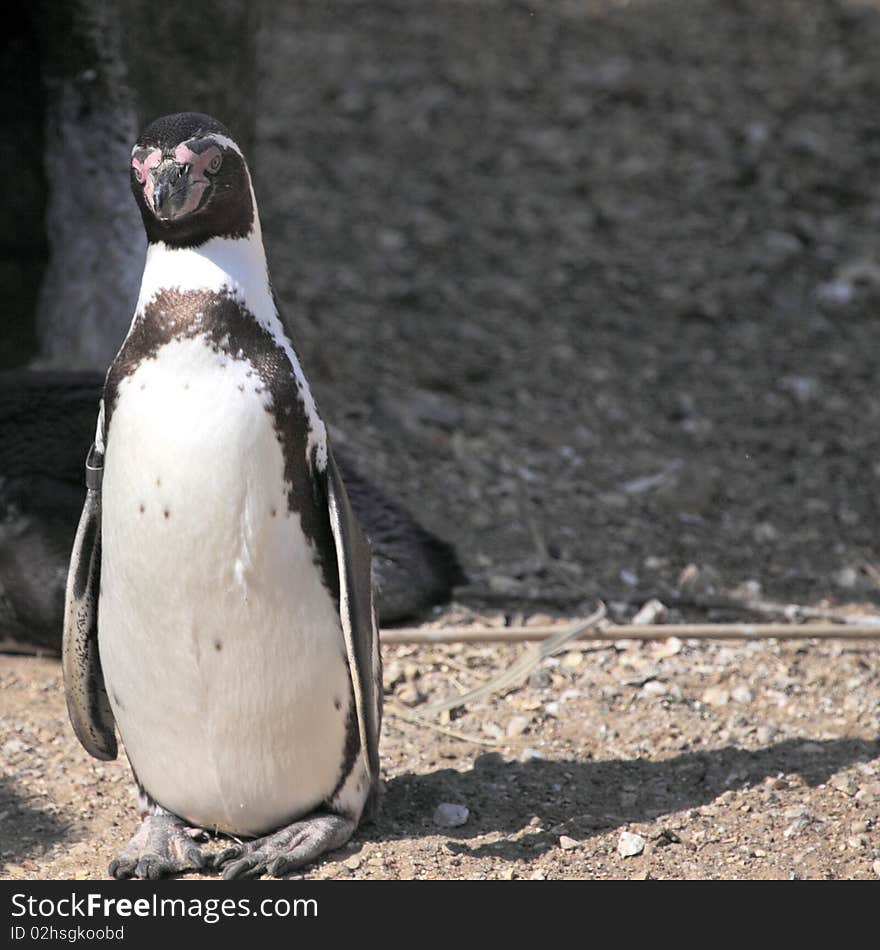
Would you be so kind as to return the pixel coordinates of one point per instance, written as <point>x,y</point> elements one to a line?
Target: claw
<point>287,849</point>
<point>161,847</point>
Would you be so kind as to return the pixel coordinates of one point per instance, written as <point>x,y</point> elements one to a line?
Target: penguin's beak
<point>174,193</point>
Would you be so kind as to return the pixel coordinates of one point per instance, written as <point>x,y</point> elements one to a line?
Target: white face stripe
<point>224,141</point>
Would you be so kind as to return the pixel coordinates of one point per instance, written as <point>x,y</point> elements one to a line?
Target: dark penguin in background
<point>219,601</point>
<point>46,417</point>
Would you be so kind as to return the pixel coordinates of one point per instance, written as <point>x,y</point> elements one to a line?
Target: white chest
<point>221,648</point>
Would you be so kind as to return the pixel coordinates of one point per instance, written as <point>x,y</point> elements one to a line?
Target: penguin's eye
<point>215,163</point>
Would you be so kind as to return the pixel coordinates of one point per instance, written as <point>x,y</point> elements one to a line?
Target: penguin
<point>219,606</point>
<point>47,416</point>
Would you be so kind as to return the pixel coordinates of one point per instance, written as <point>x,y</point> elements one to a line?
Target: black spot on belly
<point>141,508</point>
<point>117,701</point>
<point>218,646</point>
<point>158,483</point>
<point>232,331</point>
<point>167,514</point>
<point>337,703</point>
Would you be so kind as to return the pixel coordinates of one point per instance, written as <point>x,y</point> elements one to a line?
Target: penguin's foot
<point>285,850</point>
<point>161,847</point>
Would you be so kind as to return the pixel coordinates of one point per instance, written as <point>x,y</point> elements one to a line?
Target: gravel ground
<point>705,761</point>
<point>592,287</point>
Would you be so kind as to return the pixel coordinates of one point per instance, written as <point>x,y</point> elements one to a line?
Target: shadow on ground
<point>594,797</point>
<point>25,828</point>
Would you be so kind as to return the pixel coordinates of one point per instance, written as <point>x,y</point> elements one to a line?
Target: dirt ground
<point>592,287</point>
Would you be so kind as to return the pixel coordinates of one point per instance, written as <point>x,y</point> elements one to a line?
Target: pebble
<point>540,679</point>
<point>629,844</point>
<point>796,826</point>
<point>449,815</point>
<point>517,725</point>
<point>655,688</point>
<point>715,696</point>
<point>566,843</point>
<point>654,611</point>
<point>742,694</point>
<point>868,793</point>
<point>537,876</point>
<point>14,746</point>
<point>843,783</point>
<point>410,695</point>
<point>353,863</point>
<point>765,733</point>
<point>876,867</point>
<point>668,648</point>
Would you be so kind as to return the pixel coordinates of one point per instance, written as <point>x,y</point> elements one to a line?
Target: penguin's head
<point>191,181</point>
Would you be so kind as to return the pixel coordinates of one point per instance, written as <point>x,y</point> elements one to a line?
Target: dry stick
<point>793,613</point>
<point>610,633</point>
<point>411,717</point>
<point>519,670</point>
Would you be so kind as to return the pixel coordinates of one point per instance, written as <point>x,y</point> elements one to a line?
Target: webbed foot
<point>163,846</point>
<point>285,850</point>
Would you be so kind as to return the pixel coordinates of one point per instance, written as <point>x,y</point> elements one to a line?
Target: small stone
<point>517,725</point>
<point>537,876</point>
<point>876,867</point>
<point>668,648</point>
<point>410,695</point>
<point>716,696</point>
<point>14,746</point>
<point>353,863</point>
<point>655,688</point>
<point>501,584</point>
<point>654,611</point>
<point>507,874</point>
<point>742,694</point>
<point>765,533</point>
<point>566,843</point>
<point>846,577</point>
<point>868,793</point>
<point>795,827</point>
<point>835,292</point>
<point>859,827</point>
<point>843,783</point>
<point>765,733</point>
<point>629,844</point>
<point>449,815</point>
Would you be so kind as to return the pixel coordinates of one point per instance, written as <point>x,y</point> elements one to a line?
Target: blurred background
<point>591,286</point>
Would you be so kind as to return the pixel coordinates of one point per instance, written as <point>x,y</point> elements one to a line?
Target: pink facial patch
<point>208,161</point>
<point>142,172</point>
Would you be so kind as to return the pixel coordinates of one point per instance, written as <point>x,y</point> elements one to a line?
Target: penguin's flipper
<point>356,612</point>
<point>87,702</point>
